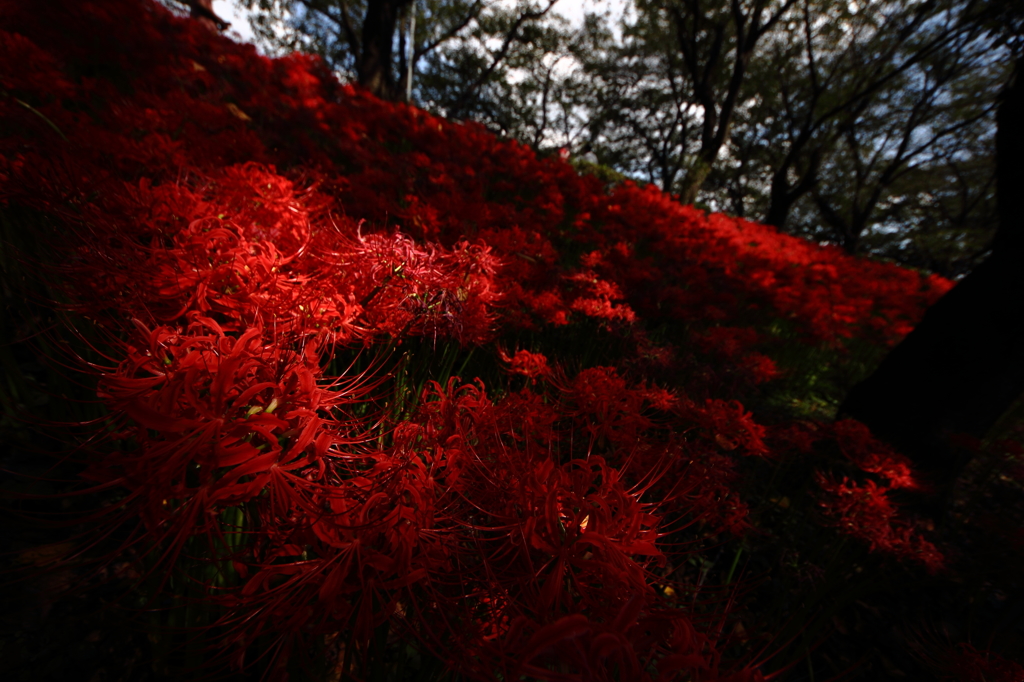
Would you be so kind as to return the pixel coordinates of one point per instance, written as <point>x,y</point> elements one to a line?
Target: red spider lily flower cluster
<point>454,182</point>
<point>560,551</point>
<point>530,365</point>
<point>861,505</point>
<point>735,346</point>
<point>969,664</point>
<point>865,510</point>
<point>236,222</point>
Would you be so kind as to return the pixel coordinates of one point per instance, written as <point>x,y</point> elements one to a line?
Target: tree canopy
<point>866,125</point>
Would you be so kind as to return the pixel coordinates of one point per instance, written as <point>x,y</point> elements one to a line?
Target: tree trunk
<point>778,210</point>
<point>783,195</point>
<point>202,11</point>
<point>374,70</point>
<point>1010,165</point>
<point>962,367</point>
<point>693,181</point>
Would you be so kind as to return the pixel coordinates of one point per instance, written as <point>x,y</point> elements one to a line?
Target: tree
<point>502,72</point>
<point>714,41</point>
<point>201,11</point>
<point>823,118</point>
<point>374,63</point>
<point>962,367</point>
<point>847,108</point>
<point>642,118</point>
<point>934,98</point>
<point>359,37</point>
<point>843,109</point>
<point>671,91</point>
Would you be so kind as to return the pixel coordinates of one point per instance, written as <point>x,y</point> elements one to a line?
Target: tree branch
<point>506,45</point>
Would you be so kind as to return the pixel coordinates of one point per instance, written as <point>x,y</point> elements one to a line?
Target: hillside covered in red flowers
<point>369,377</point>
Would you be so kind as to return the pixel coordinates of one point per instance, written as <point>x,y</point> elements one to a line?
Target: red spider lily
<point>728,425</point>
<point>711,495</point>
<point>541,540</point>
<point>353,287</point>
<point>406,288</point>
<point>871,455</point>
<point>452,175</point>
<point>600,299</point>
<point>215,421</point>
<point>530,365</point>
<point>606,409</point>
<point>515,534</point>
<point>867,513</point>
<point>968,664</point>
<point>728,342</point>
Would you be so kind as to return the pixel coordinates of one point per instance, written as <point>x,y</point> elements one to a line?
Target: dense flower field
<point>373,376</point>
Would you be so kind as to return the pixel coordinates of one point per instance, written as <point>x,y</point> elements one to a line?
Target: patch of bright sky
<point>239,18</point>
<point>573,10</point>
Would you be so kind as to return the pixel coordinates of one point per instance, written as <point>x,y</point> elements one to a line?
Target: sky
<point>227,10</point>
<point>573,10</point>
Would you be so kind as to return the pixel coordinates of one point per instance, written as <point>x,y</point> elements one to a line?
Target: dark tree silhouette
<point>374,64</point>
<point>202,10</point>
<point>963,366</point>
